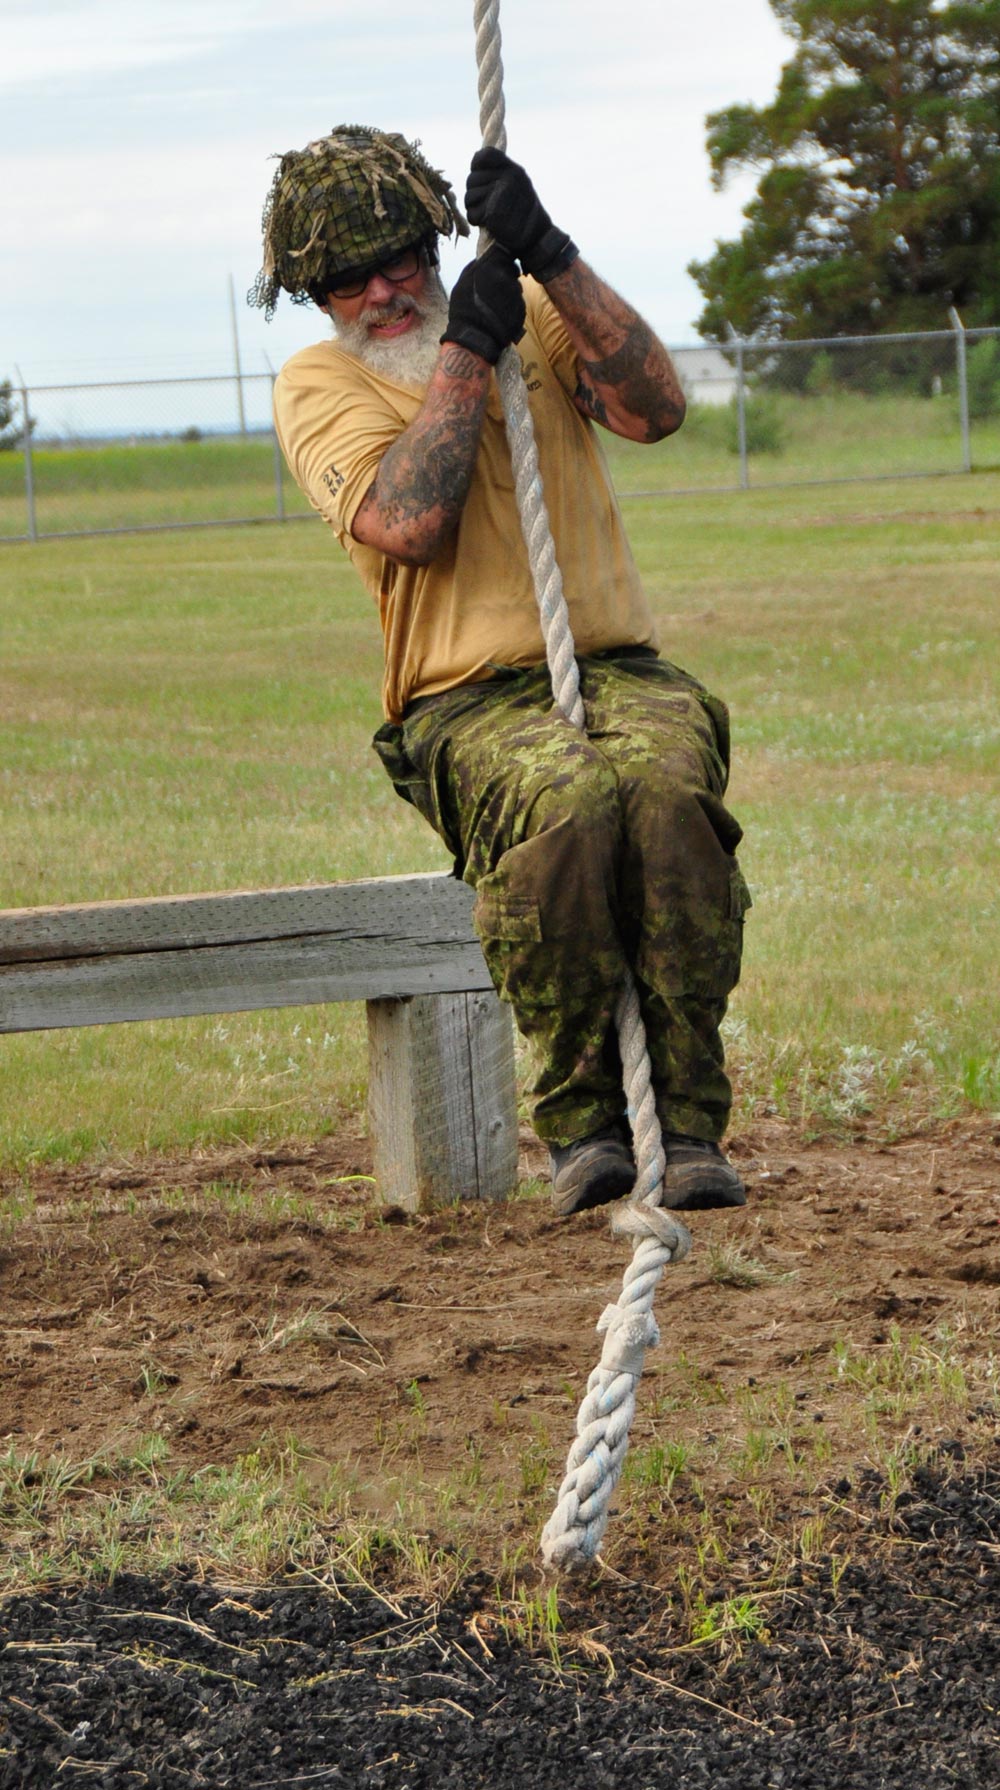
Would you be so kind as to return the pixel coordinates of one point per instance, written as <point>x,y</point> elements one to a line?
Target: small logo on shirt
<point>529,367</point>
<point>332,479</point>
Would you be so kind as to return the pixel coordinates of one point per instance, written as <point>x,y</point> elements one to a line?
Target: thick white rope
<point>573,1533</point>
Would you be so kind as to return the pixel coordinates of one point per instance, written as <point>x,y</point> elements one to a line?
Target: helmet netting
<point>344,202</point>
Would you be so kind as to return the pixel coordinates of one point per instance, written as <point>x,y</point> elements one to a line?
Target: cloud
<point>144,136</point>
<point>58,43</point>
<point>51,46</point>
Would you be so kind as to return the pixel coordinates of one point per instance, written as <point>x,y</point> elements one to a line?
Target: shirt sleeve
<point>333,431</point>
<point>551,332</point>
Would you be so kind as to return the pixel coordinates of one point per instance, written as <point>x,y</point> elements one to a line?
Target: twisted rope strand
<point>572,1536</point>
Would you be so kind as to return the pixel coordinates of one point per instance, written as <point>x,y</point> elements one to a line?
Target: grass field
<point>193,712</point>
<point>150,484</point>
<point>792,438</point>
<point>247,1367</point>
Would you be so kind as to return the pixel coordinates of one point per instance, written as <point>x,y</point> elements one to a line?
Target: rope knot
<point>628,1334</point>
<point>641,1220</point>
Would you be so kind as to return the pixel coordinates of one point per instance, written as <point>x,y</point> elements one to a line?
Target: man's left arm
<point>627,379</point>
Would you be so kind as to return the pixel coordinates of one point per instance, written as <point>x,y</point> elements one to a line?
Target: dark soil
<point>888,1683</point>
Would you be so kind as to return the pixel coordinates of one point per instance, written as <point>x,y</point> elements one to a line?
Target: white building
<point>706,373</point>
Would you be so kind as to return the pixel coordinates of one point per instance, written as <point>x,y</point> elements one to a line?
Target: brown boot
<point>698,1177</point>
<point>591,1171</point>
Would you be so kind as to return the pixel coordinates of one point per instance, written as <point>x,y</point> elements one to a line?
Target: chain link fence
<point>142,454</point>
<point>186,453</point>
<point>867,407</point>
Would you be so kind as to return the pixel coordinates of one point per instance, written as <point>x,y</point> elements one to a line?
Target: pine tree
<point>878,200</point>
<point>10,429</point>
<point>11,418</point>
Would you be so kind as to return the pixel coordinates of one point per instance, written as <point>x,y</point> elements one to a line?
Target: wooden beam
<point>108,962</point>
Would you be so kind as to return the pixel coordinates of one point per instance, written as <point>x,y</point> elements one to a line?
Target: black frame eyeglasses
<point>399,268</point>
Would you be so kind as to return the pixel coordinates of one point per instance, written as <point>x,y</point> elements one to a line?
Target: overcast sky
<point>136,137</point>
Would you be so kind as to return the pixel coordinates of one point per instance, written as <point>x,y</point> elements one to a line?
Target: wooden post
<point>442,1099</point>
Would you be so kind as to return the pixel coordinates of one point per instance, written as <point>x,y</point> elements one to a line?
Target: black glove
<point>486,309</point>
<point>500,198</point>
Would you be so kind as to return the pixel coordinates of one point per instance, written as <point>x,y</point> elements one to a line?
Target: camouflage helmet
<point>344,202</point>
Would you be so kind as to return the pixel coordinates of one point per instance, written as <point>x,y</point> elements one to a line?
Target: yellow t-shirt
<point>473,608</point>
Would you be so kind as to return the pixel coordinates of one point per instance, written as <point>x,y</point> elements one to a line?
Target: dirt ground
<point>221,1298</point>
<point>217,1297</point>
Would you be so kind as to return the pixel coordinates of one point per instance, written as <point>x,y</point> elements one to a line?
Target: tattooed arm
<point>423,480</point>
<point>417,495</point>
<point>627,380</point>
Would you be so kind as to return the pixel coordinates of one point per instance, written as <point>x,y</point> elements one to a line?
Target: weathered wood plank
<point>111,962</point>
<point>443,1099</point>
<point>494,1093</point>
<point>93,991</point>
<point>434,905</point>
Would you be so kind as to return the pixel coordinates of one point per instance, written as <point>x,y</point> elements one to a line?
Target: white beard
<point>408,360</point>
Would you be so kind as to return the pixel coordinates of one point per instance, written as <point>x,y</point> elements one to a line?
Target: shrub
<point>11,421</point>
<point>982,368</point>
<point>765,428</point>
<point>718,425</point>
<point>822,375</point>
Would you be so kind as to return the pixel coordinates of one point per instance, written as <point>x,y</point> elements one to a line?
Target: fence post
<point>963,386</point>
<point>741,411</point>
<point>236,359</point>
<point>442,1099</point>
<point>29,466</point>
<point>279,480</point>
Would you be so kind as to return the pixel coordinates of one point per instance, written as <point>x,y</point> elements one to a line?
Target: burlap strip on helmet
<point>346,201</point>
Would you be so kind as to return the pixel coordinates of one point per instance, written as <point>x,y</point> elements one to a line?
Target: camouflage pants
<point>589,852</point>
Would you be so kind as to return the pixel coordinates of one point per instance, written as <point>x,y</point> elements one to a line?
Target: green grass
<point>803,438</point>
<point>150,483</point>
<point>193,711</point>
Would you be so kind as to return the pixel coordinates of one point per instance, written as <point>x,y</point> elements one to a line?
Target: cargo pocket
<point>731,942</point>
<point>724,825</point>
<point>710,968</point>
<point>718,714</point>
<point>740,898</point>
<point>509,928</point>
<point>403,773</point>
<point>498,915</point>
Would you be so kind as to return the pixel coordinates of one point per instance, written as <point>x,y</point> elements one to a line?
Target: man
<point>589,852</point>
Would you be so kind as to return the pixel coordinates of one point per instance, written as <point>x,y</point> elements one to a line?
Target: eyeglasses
<point>402,267</point>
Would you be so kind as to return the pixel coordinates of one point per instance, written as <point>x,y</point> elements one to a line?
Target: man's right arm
<point>418,494</point>
<point>416,498</point>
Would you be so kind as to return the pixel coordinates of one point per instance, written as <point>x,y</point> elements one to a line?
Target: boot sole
<point>613,1183</point>
<point>704,1199</point>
